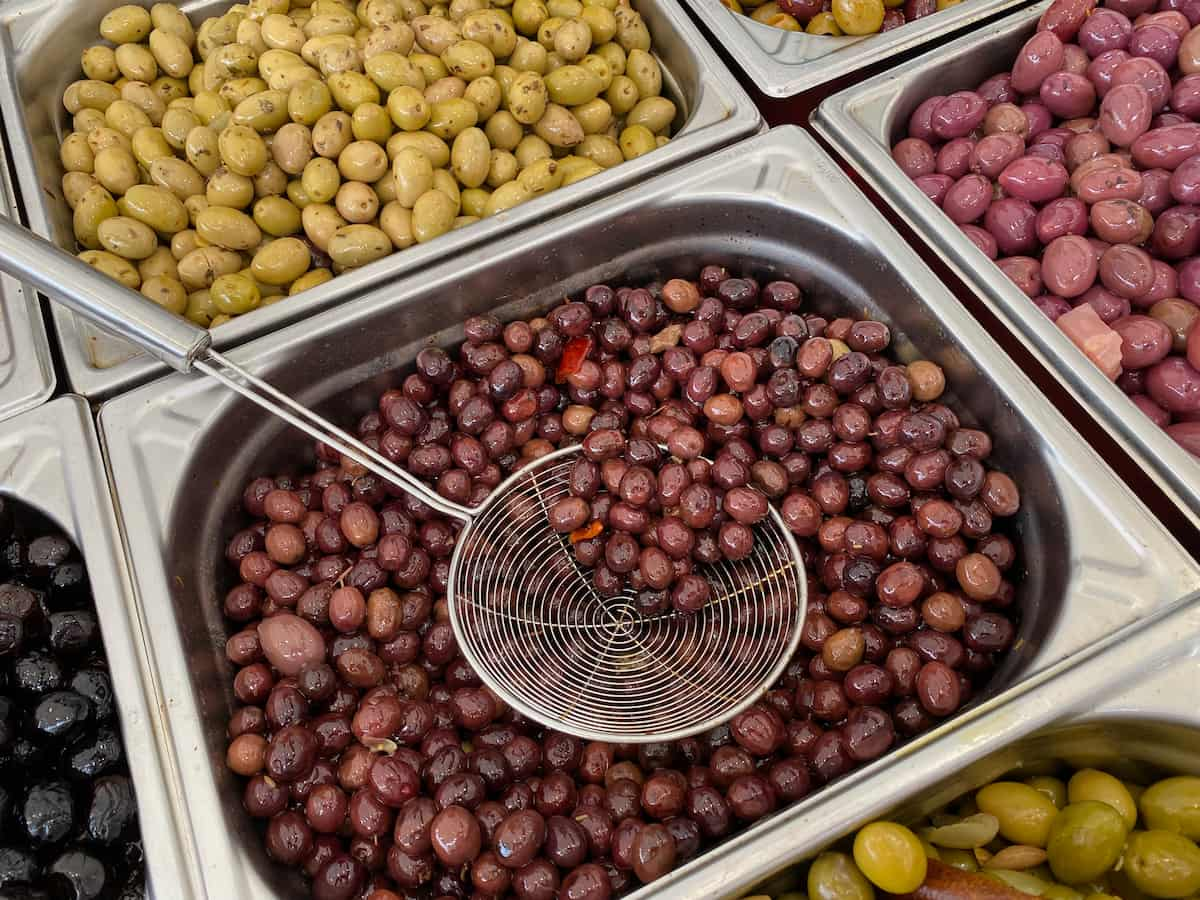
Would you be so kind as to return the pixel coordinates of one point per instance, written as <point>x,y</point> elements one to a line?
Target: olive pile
<point>68,816</point>
<point>1087,834</point>
<point>834,18</point>
<point>378,761</point>
<point>224,168</point>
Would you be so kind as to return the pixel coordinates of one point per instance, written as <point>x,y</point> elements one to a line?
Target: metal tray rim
<point>747,43</point>
<point>120,417</point>
<point>853,129</point>
<point>738,118</point>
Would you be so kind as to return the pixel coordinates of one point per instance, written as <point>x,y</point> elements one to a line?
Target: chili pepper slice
<point>586,532</point>
<point>574,354</point>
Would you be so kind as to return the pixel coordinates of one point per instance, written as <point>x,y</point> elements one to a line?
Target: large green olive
<point>1173,804</point>
<point>1163,863</point>
<point>1025,814</point>
<point>833,876</point>
<point>1085,841</point>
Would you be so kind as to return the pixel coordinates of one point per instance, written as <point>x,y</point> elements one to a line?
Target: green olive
<point>277,216</point>
<point>431,67</point>
<point>645,72</point>
<point>577,168</point>
<point>127,237</point>
<point>528,16</point>
<point>890,856</point>
<point>125,25</point>
<point>332,134</point>
<point>486,94</point>
<point>1163,863</point>
<point>227,188</point>
<point>320,222</point>
<point>396,222</point>
<point>541,176</point>
<point>469,60</point>
<point>413,174</point>
<point>632,33</point>
<point>531,148</point>
<point>529,56</point>
<point>349,89</point>
<point>363,161</point>
<point>622,95</point>
<point>309,280</point>
<point>527,98</point>
<point>392,70</point>
<point>833,876</point>
<point>168,293</point>
<point>90,94</point>
<point>502,169</point>
<point>636,140</point>
<point>1085,840</point>
<point>308,101</point>
<point>432,216</point>
<point>136,63</point>
<point>408,108</point>
<point>320,179</point>
<point>371,122</point>
<point>656,113</point>
<point>228,228</point>
<point>1025,814</point>
<point>1053,788</point>
<point>358,245</point>
<point>1092,784</point>
<point>503,130</point>
<point>99,63</point>
<point>94,207</point>
<point>450,117</point>
<point>1173,804</point>
<point>601,149</point>
<point>235,294</point>
<point>200,267</point>
<point>75,185</point>
<point>470,157</point>
<point>434,148</point>
<point>156,207</point>
<point>113,266</point>
<point>573,85</point>
<point>178,177</point>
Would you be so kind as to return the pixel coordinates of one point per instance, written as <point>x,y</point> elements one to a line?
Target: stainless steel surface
<point>50,459</point>
<point>40,44</point>
<point>861,123</point>
<point>26,367</point>
<point>785,63</point>
<point>533,626</point>
<point>180,450</point>
<point>75,284</point>
<point>1128,707</point>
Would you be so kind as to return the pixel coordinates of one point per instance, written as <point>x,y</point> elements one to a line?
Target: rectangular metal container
<point>26,367</point>
<point>40,44</point>
<point>50,459</point>
<point>1125,707</point>
<point>785,63</point>
<point>863,121</point>
<point>180,450</point>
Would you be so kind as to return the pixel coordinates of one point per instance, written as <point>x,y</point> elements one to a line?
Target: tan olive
<point>271,181</point>
<point>565,9</point>
<point>385,189</point>
<point>195,206</point>
<point>413,174</point>
<point>503,168</point>
<point>656,113</point>
<point>176,125</point>
<point>156,207</point>
<point>378,12</point>
<point>529,56</point>
<point>95,206</point>
<point>527,98</point>
<point>149,144</point>
<point>393,37</point>
<point>184,242</point>
<point>265,113</point>
<point>349,89</point>
<point>169,18</point>
<point>573,40</point>
<point>202,266</point>
<point>613,54</point>
<point>104,137</point>
<point>547,30</point>
<point>292,148</point>
<point>178,177</point>
<point>210,107</point>
<point>532,148</point>
<point>332,134</point>
<point>331,23</point>
<point>76,155</point>
<point>506,197</point>
<point>503,130</point>
<point>528,15</point>
<point>601,149</point>
<point>431,67</point>
<point>203,150</point>
<point>435,36</point>
<point>125,25</point>
<point>356,202</point>
<point>541,177</point>
<point>486,95</point>
<point>396,222</point>
<point>314,51</point>
<point>558,128</point>
<point>337,58</point>
<point>309,280</point>
<point>228,62</point>
<point>200,308</point>
<point>622,95</point>
<point>449,88</point>
<point>357,245</point>
<point>576,168</point>
<point>450,117</point>
<point>635,141</point>
<point>492,30</point>
<point>474,201</point>
<point>362,161</point>
<point>88,120</point>
<point>169,293</point>
<point>443,181</point>
<point>228,228</point>
<point>470,157</point>
<point>127,237</point>
<point>226,188</point>
<point>90,94</point>
<point>434,148</point>
<point>408,108</point>
<point>235,294</point>
<point>308,101</point>
<point>433,215</point>
<point>136,63</point>
<point>371,122</point>
<point>573,85</point>
<point>276,216</point>
<point>286,78</point>
<point>469,60</point>
<point>320,179</point>
<point>75,185</point>
<point>280,32</point>
<point>113,266</point>
<point>632,33</point>
<point>160,263</point>
<point>320,221</point>
<point>599,67</point>
<point>100,63</point>
<point>645,72</point>
<point>460,9</point>
<point>116,169</point>
<point>126,118</point>
<point>392,70</point>
<point>171,90</point>
<point>600,22</point>
<point>595,117</point>
<point>242,150</point>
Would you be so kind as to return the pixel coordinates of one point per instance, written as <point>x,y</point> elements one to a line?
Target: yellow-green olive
<point>200,308</point>
<point>203,150</point>
<point>178,177</point>
<point>503,168</point>
<point>601,22</point>
<point>393,37</point>
<point>242,150</point>
<point>503,130</point>
<point>320,221</point>
<point>309,280</point>
<point>547,30</point>
<point>75,185</point>
<point>362,161</point>
<point>486,94</point>
<point>370,122</point>
<point>90,94</point>
<point>146,99</point>
<point>572,40</point>
<point>195,206</point>
<point>558,128</point>
<point>202,266</point>
<point>280,32</point>
<point>228,228</point>
<point>358,245</point>
<point>210,107</point>
<point>159,263</point>
<point>88,120</point>
<point>431,67</point>
<point>104,137</point>
<point>396,222</point>
<point>93,207</point>
<point>594,117</point>
<point>126,118</point>
<point>349,89</point>
<point>527,98</point>
<point>656,113</point>
<point>528,15</point>
<point>125,25</point>
<point>271,181</point>
<point>413,174</point>
<point>76,155</point>
<point>136,62</point>
<point>408,108</point>
<point>113,266</point>
<point>645,72</point>
<point>449,88</point>
<point>100,63</point>
<point>176,125</point>
<point>469,60</point>
<point>470,157</point>
<point>506,197</point>
<point>127,237</point>
<point>169,293</point>
<point>320,179</point>
<point>434,148</point>
<point>531,148</point>
<point>169,18</point>
<point>357,202</point>
<point>564,9</point>
<point>148,144</point>
<point>635,141</point>
<point>332,134</point>
<point>265,112</point>
<point>601,149</point>
<point>276,216</point>
<point>622,95</point>
<point>433,215</point>
<point>573,85</point>
<point>613,54</point>
<point>541,176</point>
<point>392,70</point>
<point>183,243</point>
<point>492,30</point>
<point>632,33</point>
<point>474,201</point>
<point>576,168</point>
<point>170,90</point>
<point>450,117</point>
<point>116,169</point>
<point>308,101</point>
<point>599,67</point>
<point>155,206</point>
<point>435,36</point>
<point>235,294</point>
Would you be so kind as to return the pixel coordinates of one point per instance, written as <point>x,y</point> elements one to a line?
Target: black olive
<point>97,687</point>
<point>48,812</point>
<point>112,813</point>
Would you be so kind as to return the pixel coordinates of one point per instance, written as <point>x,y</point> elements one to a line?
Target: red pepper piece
<point>574,354</point>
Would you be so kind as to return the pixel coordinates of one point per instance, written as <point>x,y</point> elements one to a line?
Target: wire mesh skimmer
<point>524,613</point>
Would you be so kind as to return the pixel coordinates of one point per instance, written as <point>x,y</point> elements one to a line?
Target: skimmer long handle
<point>72,282</point>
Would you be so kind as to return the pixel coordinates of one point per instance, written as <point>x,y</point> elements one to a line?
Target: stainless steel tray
<point>50,459</point>
<point>180,450</point>
<point>1113,707</point>
<point>26,367</point>
<point>40,43</point>
<point>861,123</point>
<point>785,63</point>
